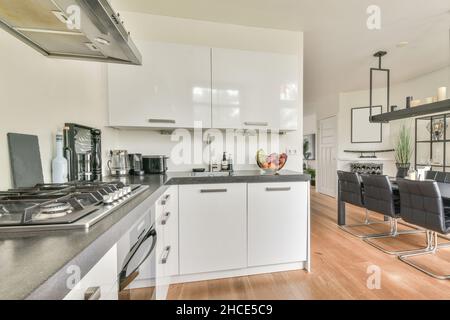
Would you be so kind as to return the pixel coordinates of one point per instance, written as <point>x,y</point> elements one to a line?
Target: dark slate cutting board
<point>25,157</point>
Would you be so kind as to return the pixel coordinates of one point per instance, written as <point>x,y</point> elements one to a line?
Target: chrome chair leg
<point>394,234</point>
<point>432,248</point>
<point>367,222</point>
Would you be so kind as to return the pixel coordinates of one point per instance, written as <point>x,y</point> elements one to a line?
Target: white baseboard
<point>146,283</point>
<point>238,272</point>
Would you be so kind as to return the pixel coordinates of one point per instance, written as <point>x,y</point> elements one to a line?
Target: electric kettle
<point>119,164</point>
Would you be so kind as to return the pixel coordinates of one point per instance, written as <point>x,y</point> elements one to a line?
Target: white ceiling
<point>338,45</point>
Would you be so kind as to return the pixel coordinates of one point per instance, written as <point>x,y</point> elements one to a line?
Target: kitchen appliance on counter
<point>71,29</point>
<point>136,256</point>
<point>155,164</point>
<point>136,165</point>
<point>119,163</point>
<point>83,151</point>
<point>76,205</point>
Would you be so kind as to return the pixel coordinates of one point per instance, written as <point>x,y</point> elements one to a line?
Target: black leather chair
<point>379,197</point>
<point>440,177</point>
<point>422,205</point>
<point>431,175</point>
<point>351,191</point>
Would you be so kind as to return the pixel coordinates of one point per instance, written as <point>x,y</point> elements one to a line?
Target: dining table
<point>443,187</point>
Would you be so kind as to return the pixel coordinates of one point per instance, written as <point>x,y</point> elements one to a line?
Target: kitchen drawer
<point>278,223</point>
<point>101,279</point>
<point>213,227</point>
<point>168,226</point>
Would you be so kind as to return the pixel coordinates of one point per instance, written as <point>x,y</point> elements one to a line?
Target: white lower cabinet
<point>213,227</point>
<point>212,230</point>
<point>277,223</point>
<point>100,283</point>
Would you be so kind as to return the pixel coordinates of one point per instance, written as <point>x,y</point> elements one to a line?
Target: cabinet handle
<point>213,190</point>
<point>93,293</point>
<point>164,201</point>
<point>166,217</point>
<point>161,121</point>
<point>258,124</point>
<point>278,189</point>
<point>165,255</point>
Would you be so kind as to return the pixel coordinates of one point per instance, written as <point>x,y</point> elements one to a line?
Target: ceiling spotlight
<point>402,44</point>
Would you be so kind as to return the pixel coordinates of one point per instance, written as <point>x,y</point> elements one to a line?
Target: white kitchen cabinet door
<point>277,223</point>
<point>171,89</point>
<point>100,283</point>
<point>213,227</point>
<point>254,90</point>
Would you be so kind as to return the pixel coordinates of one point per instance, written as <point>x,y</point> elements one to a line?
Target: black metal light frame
<point>432,142</point>
<point>380,55</point>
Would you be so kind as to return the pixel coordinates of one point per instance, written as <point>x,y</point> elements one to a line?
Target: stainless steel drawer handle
<point>166,198</point>
<point>93,293</point>
<point>278,189</point>
<point>165,255</point>
<point>161,121</point>
<point>258,124</point>
<point>166,217</point>
<point>213,190</point>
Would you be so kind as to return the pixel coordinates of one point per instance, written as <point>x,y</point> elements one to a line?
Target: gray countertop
<point>34,265</point>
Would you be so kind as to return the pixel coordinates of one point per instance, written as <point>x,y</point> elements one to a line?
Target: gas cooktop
<point>62,206</point>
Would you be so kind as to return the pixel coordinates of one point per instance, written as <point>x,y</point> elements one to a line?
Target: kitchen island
<point>35,265</point>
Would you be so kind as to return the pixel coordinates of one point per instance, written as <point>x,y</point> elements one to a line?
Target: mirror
<point>362,130</point>
<point>309,147</point>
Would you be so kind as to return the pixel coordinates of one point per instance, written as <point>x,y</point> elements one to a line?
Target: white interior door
<point>326,172</point>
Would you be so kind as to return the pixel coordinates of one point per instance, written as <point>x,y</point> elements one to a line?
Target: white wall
<point>38,95</point>
<point>420,88</point>
<point>203,33</point>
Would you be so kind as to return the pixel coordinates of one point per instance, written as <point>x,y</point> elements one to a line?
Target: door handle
<point>125,278</point>
<point>165,256</point>
<point>166,217</point>
<point>258,124</point>
<point>213,190</point>
<point>93,293</point>
<point>164,201</point>
<point>162,121</point>
<point>278,189</point>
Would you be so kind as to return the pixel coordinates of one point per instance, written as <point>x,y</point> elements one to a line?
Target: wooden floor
<point>339,268</point>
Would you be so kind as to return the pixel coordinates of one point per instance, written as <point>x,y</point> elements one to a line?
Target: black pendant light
<point>380,55</point>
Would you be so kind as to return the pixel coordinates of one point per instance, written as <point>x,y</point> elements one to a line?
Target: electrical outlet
<point>292,151</point>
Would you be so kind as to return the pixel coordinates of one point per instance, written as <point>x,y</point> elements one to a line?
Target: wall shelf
<point>426,109</point>
<point>368,154</point>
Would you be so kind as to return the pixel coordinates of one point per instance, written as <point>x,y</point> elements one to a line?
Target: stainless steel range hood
<point>74,29</point>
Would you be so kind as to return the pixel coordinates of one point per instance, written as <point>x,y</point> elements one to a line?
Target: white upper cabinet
<point>171,89</point>
<point>254,90</point>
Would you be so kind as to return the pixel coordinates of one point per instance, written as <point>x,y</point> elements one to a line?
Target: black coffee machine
<point>83,151</point>
<point>136,164</point>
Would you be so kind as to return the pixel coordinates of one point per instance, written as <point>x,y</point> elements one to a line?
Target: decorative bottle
<point>59,163</point>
